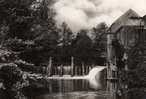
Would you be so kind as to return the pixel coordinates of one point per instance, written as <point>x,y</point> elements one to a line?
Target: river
<point>77,87</point>
<point>73,89</point>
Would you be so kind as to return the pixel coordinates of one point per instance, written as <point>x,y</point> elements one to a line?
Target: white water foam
<point>94,76</point>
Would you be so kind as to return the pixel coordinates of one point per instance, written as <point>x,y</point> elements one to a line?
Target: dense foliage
<point>132,79</point>
<point>29,36</point>
<point>30,29</point>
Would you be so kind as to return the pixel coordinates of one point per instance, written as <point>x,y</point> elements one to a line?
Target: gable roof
<point>125,20</point>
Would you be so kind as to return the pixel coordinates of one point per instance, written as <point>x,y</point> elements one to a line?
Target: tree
<point>64,45</point>
<point>66,35</point>
<point>99,45</point>
<point>99,30</point>
<point>45,35</point>
<point>11,76</point>
<point>17,15</point>
<point>82,45</point>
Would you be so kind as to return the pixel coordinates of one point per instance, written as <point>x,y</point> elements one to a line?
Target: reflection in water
<point>63,86</point>
<point>77,95</point>
<point>72,89</point>
<point>75,88</point>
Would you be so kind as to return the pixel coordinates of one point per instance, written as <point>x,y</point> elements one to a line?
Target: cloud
<point>85,14</point>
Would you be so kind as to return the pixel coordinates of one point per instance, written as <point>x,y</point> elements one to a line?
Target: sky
<point>86,14</point>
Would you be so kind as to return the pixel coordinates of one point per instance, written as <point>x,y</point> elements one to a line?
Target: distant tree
<point>99,45</point>
<point>99,31</point>
<point>82,45</point>
<point>66,37</point>
<point>67,34</point>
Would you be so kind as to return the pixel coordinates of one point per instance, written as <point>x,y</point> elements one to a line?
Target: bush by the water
<point>12,81</point>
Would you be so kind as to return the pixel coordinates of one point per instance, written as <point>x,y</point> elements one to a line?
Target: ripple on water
<point>76,95</point>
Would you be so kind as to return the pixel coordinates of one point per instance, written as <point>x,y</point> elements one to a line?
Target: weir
<point>93,77</point>
<point>72,69</point>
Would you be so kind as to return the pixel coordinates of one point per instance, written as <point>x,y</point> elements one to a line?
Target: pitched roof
<point>125,20</point>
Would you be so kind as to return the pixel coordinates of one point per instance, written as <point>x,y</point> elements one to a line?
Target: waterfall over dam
<point>93,77</point>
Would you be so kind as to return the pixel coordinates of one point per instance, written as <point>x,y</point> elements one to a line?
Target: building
<point>131,35</point>
<point>126,48</point>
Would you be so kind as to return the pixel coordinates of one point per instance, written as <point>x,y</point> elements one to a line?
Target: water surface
<point>80,87</point>
<point>73,89</point>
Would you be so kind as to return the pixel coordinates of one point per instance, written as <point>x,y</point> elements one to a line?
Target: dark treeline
<point>28,27</point>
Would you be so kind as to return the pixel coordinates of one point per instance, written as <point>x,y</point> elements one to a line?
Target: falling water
<point>94,77</point>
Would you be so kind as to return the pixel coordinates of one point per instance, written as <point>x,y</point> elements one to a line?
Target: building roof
<point>125,20</point>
